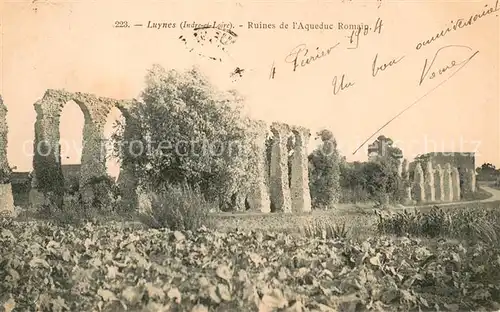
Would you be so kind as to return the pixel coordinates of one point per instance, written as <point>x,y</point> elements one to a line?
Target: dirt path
<point>367,206</point>
<point>494,192</point>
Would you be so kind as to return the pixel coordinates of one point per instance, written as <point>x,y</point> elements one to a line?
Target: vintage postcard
<point>249,155</point>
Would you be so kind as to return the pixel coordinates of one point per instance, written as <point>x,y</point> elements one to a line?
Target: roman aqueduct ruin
<point>433,185</point>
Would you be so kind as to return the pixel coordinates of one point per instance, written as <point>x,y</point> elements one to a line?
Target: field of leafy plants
<point>115,267</point>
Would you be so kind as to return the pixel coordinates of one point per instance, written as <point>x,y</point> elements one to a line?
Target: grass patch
<point>471,223</point>
<point>177,208</point>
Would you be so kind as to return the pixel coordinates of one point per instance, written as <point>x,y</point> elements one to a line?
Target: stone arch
<point>48,178</point>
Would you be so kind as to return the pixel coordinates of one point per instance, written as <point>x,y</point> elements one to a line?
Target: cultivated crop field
<point>116,267</point>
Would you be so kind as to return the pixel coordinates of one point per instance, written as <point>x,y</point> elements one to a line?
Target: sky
<point>73,45</point>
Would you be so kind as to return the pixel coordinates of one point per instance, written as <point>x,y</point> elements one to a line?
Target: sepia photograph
<point>294,156</point>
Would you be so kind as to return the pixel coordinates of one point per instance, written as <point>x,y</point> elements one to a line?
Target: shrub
<point>194,133</point>
<point>178,208</point>
<point>382,181</point>
<point>72,184</point>
<point>324,176</point>
<point>101,187</point>
<point>469,223</point>
<point>325,230</point>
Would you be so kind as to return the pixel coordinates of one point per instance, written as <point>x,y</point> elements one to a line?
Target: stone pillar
<point>408,195</point>
<point>471,177</point>
<point>447,183</point>
<point>439,183</point>
<point>455,178</point>
<point>259,193</point>
<point>280,189</point>
<point>6,198</point>
<point>405,175</point>
<point>400,167</point>
<point>127,183</point>
<point>430,191</point>
<point>418,184</point>
<point>48,182</point>
<point>93,158</point>
<point>301,196</point>
<point>127,179</point>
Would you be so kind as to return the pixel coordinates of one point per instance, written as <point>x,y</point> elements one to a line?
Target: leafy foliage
<point>382,181</point>
<point>324,175</point>
<point>487,172</point>
<point>352,182</point>
<point>186,131</point>
<point>113,267</point>
<point>5,175</point>
<point>50,179</point>
<point>383,147</point>
<point>474,224</point>
<point>178,208</point>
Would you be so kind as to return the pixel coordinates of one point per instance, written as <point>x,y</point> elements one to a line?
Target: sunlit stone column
<point>259,193</point>
<point>471,180</point>
<point>430,191</point>
<point>439,183</point>
<point>280,190</point>
<point>455,178</point>
<point>447,183</point>
<point>405,175</point>
<point>300,194</point>
<point>418,184</point>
